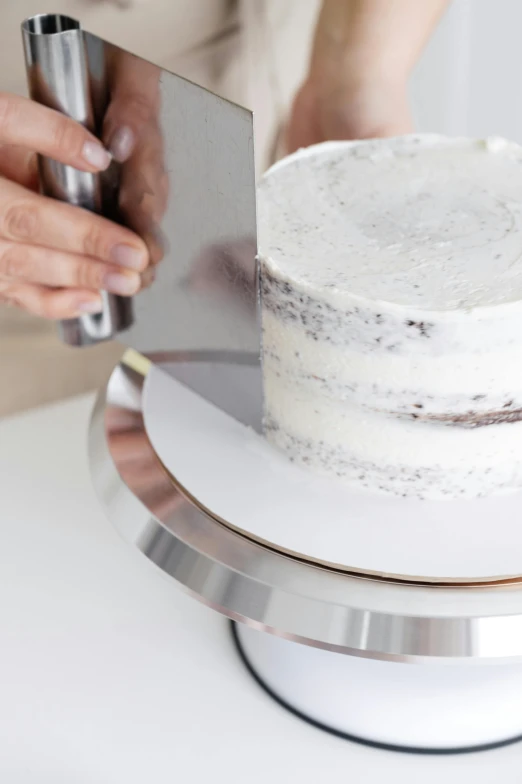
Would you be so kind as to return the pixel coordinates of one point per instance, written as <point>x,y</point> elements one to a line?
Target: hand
<point>344,108</point>
<point>55,258</point>
<point>132,133</point>
<point>362,55</point>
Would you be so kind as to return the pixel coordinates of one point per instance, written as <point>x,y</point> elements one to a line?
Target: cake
<point>391,304</point>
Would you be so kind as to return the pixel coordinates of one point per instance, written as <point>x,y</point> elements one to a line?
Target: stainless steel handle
<point>60,76</point>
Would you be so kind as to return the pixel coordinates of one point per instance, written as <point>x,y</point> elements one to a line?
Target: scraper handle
<point>58,77</point>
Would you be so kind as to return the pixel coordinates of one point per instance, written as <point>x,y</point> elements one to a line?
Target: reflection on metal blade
<point>233,388</point>
<point>188,189</point>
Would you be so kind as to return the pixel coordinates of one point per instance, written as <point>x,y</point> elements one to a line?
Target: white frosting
<point>421,221</point>
<point>392,316</point>
<point>385,454</point>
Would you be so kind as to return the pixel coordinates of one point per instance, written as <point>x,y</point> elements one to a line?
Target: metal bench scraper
<point>188,189</point>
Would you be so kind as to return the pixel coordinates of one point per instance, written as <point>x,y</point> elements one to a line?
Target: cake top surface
<point>421,221</point>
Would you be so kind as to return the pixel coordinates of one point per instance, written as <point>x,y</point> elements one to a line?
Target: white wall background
<point>469,78</point>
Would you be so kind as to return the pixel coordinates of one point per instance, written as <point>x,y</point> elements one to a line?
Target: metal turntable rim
<point>339,568</point>
<point>353,615</point>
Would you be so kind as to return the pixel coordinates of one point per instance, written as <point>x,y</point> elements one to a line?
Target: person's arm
<point>362,55</point>
<point>374,38</point>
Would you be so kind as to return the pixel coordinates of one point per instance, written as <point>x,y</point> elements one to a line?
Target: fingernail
<point>91,306</point>
<point>127,256</point>
<point>148,277</point>
<point>96,155</point>
<point>122,144</point>
<point>160,239</point>
<point>119,283</point>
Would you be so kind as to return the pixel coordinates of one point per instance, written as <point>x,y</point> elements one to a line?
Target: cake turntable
<point>429,663</point>
<point>391,621</point>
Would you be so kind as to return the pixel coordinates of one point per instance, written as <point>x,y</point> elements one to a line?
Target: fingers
<point>144,181</point>
<point>35,127</point>
<point>144,188</point>
<point>32,264</point>
<point>32,219</point>
<point>55,258</point>
<point>19,165</point>
<point>49,303</point>
<point>133,135</point>
<point>134,105</point>
<point>144,194</point>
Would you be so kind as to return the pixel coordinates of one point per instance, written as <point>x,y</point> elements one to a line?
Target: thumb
<point>135,103</point>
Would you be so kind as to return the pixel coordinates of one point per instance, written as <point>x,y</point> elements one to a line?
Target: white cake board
<point>232,473</point>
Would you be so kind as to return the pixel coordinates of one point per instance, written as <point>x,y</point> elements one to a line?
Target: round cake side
<point>418,390</point>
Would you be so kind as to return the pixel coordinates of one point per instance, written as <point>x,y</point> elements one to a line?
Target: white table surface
<point>110,675</point>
